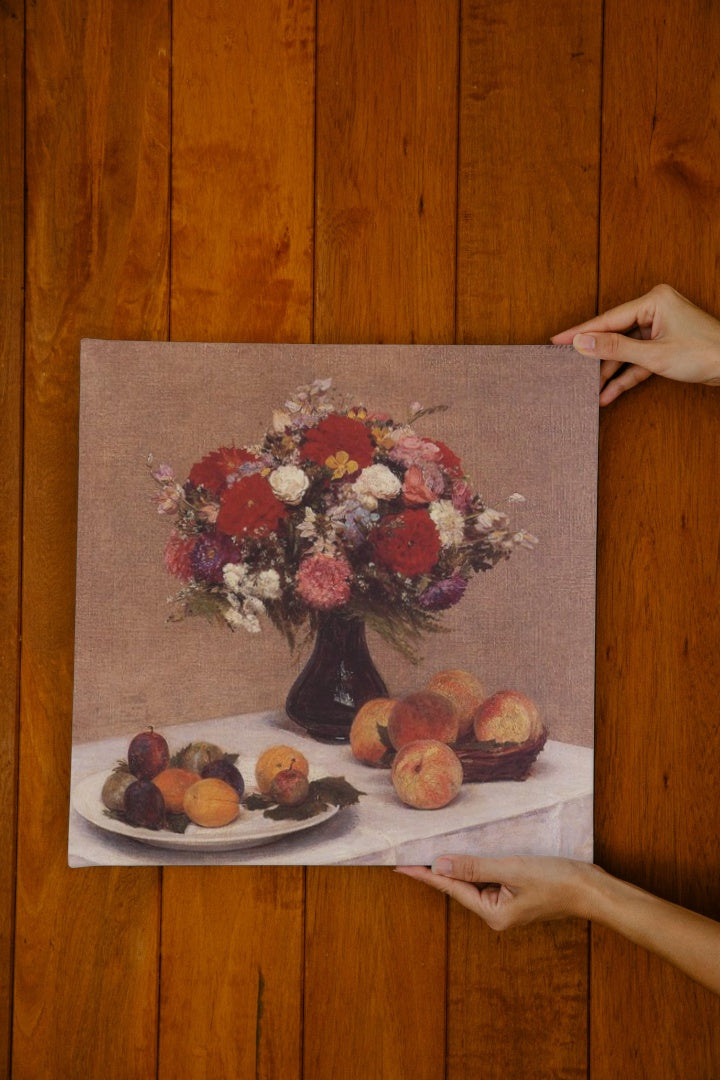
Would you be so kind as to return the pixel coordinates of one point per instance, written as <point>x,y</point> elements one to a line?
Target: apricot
<point>423,715</point>
<point>465,693</point>
<point>173,784</point>
<point>367,731</point>
<point>211,803</point>
<point>274,760</point>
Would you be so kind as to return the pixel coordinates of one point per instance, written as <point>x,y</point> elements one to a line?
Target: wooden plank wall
<point>370,170</point>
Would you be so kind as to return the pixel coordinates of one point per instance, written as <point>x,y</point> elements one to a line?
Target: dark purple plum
<point>148,754</point>
<point>144,805</point>
<point>222,769</point>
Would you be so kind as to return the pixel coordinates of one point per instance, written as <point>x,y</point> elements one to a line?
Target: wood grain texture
<point>527,242</point>
<point>529,158</point>
<point>243,143</point>
<point>658,749</point>
<point>12,272</point>
<point>97,229</point>
<point>243,137</point>
<point>386,171</point>
<point>385,197</point>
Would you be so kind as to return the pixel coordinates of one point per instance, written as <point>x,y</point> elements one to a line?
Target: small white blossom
<point>516,497</point>
<point>308,526</point>
<point>491,520</point>
<point>240,620</point>
<point>234,574</point>
<point>266,585</point>
<point>281,419</point>
<point>289,484</point>
<point>449,523</point>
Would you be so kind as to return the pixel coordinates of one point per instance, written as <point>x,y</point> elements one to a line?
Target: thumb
<point>469,868</point>
<point>621,349</point>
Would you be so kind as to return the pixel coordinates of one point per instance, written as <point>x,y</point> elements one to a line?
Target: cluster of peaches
<point>415,735</point>
<point>201,783</point>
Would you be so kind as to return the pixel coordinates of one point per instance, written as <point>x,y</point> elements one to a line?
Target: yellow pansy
<point>383,438</point>
<point>341,464</point>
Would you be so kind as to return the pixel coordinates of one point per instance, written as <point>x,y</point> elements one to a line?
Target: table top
<point>549,813</point>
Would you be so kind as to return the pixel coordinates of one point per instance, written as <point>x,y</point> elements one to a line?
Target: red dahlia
<point>215,468</point>
<point>249,508</point>
<point>335,434</point>
<point>407,543</point>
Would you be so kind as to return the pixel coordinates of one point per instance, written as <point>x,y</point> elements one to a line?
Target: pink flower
<point>323,582</point>
<point>423,485</point>
<point>412,450</point>
<point>461,495</point>
<point>177,556</point>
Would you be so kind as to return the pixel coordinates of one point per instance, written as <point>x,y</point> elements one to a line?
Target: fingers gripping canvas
<point>335,604</point>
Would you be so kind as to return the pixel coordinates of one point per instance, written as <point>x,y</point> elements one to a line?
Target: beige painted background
<point>522,419</point>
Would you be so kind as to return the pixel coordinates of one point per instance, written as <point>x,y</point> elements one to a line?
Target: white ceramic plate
<point>251,829</point>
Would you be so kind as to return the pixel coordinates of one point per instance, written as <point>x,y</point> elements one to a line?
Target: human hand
<point>512,891</point>
<point>667,336</point>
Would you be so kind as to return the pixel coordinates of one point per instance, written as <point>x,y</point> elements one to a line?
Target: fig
<point>222,769</point>
<point>148,754</point>
<point>289,788</point>
<point>196,755</point>
<point>144,805</point>
<point>114,788</point>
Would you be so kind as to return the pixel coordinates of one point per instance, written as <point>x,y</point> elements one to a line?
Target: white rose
<point>289,484</point>
<point>377,482</point>
<point>449,523</point>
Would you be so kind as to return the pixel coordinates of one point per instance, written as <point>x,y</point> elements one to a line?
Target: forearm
<point>685,939</point>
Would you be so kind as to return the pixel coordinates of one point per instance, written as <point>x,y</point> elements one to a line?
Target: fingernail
<point>585,342</point>
<point>442,866</point>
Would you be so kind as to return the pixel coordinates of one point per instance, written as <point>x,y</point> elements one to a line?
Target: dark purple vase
<point>338,678</point>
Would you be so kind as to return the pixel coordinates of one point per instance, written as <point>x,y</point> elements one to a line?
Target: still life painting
<point>335,604</point>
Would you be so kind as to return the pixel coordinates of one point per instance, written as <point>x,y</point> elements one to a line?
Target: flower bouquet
<point>340,518</point>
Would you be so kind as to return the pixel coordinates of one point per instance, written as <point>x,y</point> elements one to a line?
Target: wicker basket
<point>481,763</point>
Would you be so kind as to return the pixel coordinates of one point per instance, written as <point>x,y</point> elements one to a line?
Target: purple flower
<point>210,555</point>
<point>443,594</point>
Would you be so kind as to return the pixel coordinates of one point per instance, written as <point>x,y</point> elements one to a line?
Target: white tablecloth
<point>550,813</point>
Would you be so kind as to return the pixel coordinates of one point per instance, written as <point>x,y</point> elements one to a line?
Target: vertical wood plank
<point>97,229</point>
<point>658,791</point>
<point>12,20</point>
<point>385,271</point>
<point>243,137</point>
<point>529,150</point>
<point>527,244</point>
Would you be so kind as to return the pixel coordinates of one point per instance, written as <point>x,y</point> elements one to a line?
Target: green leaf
<point>335,790</point>
<point>177,823</point>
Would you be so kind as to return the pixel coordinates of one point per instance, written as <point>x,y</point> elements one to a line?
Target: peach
<point>508,716</point>
<point>427,774</point>
<point>463,690</point>
<point>173,784</point>
<point>369,739</point>
<point>423,715</point>
<point>274,760</point>
<point>211,803</point>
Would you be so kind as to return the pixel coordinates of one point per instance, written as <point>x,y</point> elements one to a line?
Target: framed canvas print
<point>335,604</point>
